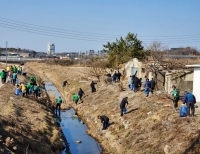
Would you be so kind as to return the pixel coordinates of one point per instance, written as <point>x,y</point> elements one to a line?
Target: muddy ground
<point>151,126</point>
<point>27,124</point>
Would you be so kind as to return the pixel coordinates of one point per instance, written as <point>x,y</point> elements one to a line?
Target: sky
<point>83,25</point>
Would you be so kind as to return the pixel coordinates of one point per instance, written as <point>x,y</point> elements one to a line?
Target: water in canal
<point>74,130</point>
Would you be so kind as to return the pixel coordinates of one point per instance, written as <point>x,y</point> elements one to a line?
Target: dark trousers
<point>13,81</point>
<point>3,80</point>
<point>27,91</point>
<point>175,101</point>
<point>19,72</point>
<point>23,94</point>
<point>58,109</point>
<point>152,89</point>
<point>122,110</point>
<point>36,93</point>
<point>76,101</point>
<point>93,89</point>
<point>80,96</point>
<point>105,124</point>
<point>190,106</point>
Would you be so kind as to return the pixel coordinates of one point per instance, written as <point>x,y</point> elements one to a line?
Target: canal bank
<point>74,129</point>
<point>90,107</point>
<point>26,123</point>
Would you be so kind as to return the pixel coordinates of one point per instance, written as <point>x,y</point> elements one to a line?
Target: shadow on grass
<point>112,123</point>
<point>132,110</point>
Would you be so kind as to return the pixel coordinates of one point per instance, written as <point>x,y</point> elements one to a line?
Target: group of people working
<point>188,102</point>
<point>75,99</point>
<point>116,77</point>
<point>135,84</point>
<point>10,74</point>
<point>29,88</point>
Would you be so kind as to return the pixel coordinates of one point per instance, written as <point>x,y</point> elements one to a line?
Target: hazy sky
<point>80,25</point>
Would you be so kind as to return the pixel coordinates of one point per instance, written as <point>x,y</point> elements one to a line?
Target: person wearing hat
<point>58,104</point>
<point>189,99</point>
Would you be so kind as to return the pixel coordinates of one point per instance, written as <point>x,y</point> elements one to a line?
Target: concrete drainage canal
<point>74,130</point>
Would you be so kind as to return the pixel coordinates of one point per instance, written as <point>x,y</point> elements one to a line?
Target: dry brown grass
<point>151,125</point>
<point>27,121</point>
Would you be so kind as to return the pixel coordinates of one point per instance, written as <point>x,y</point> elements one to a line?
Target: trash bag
<point>183,111</point>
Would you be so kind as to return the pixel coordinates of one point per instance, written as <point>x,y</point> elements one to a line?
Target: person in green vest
<point>58,104</point>
<point>14,69</point>
<point>14,78</point>
<point>35,90</point>
<point>3,76</point>
<point>75,98</point>
<point>175,94</point>
<point>33,80</point>
<point>19,70</point>
<point>28,88</point>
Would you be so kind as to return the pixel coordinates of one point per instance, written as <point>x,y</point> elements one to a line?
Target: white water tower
<point>50,49</point>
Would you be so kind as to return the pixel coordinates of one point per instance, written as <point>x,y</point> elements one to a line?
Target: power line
<point>36,29</point>
<point>49,34</point>
<point>85,33</point>
<point>55,29</point>
<point>45,31</point>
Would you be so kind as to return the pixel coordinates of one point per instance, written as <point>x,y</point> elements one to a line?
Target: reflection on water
<point>74,130</point>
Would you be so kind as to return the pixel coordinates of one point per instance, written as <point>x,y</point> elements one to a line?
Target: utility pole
<point>6,53</point>
<point>85,57</point>
<point>80,58</point>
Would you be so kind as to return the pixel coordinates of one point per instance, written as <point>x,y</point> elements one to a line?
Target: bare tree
<point>159,62</point>
<point>97,67</point>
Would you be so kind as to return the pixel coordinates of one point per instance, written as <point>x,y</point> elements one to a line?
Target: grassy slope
<point>28,121</point>
<point>150,127</point>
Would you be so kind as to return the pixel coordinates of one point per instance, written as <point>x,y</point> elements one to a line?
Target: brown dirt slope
<point>151,126</point>
<point>26,124</point>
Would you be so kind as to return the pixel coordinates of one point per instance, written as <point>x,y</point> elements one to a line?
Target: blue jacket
<point>18,91</point>
<point>147,84</point>
<point>189,98</point>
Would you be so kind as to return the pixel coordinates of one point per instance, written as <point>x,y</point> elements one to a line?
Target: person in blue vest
<point>58,104</point>
<point>18,90</point>
<point>147,87</point>
<point>189,99</point>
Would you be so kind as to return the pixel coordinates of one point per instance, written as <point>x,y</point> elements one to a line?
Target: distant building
<point>91,52</point>
<point>196,81</point>
<point>41,54</point>
<point>25,55</point>
<point>50,49</point>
